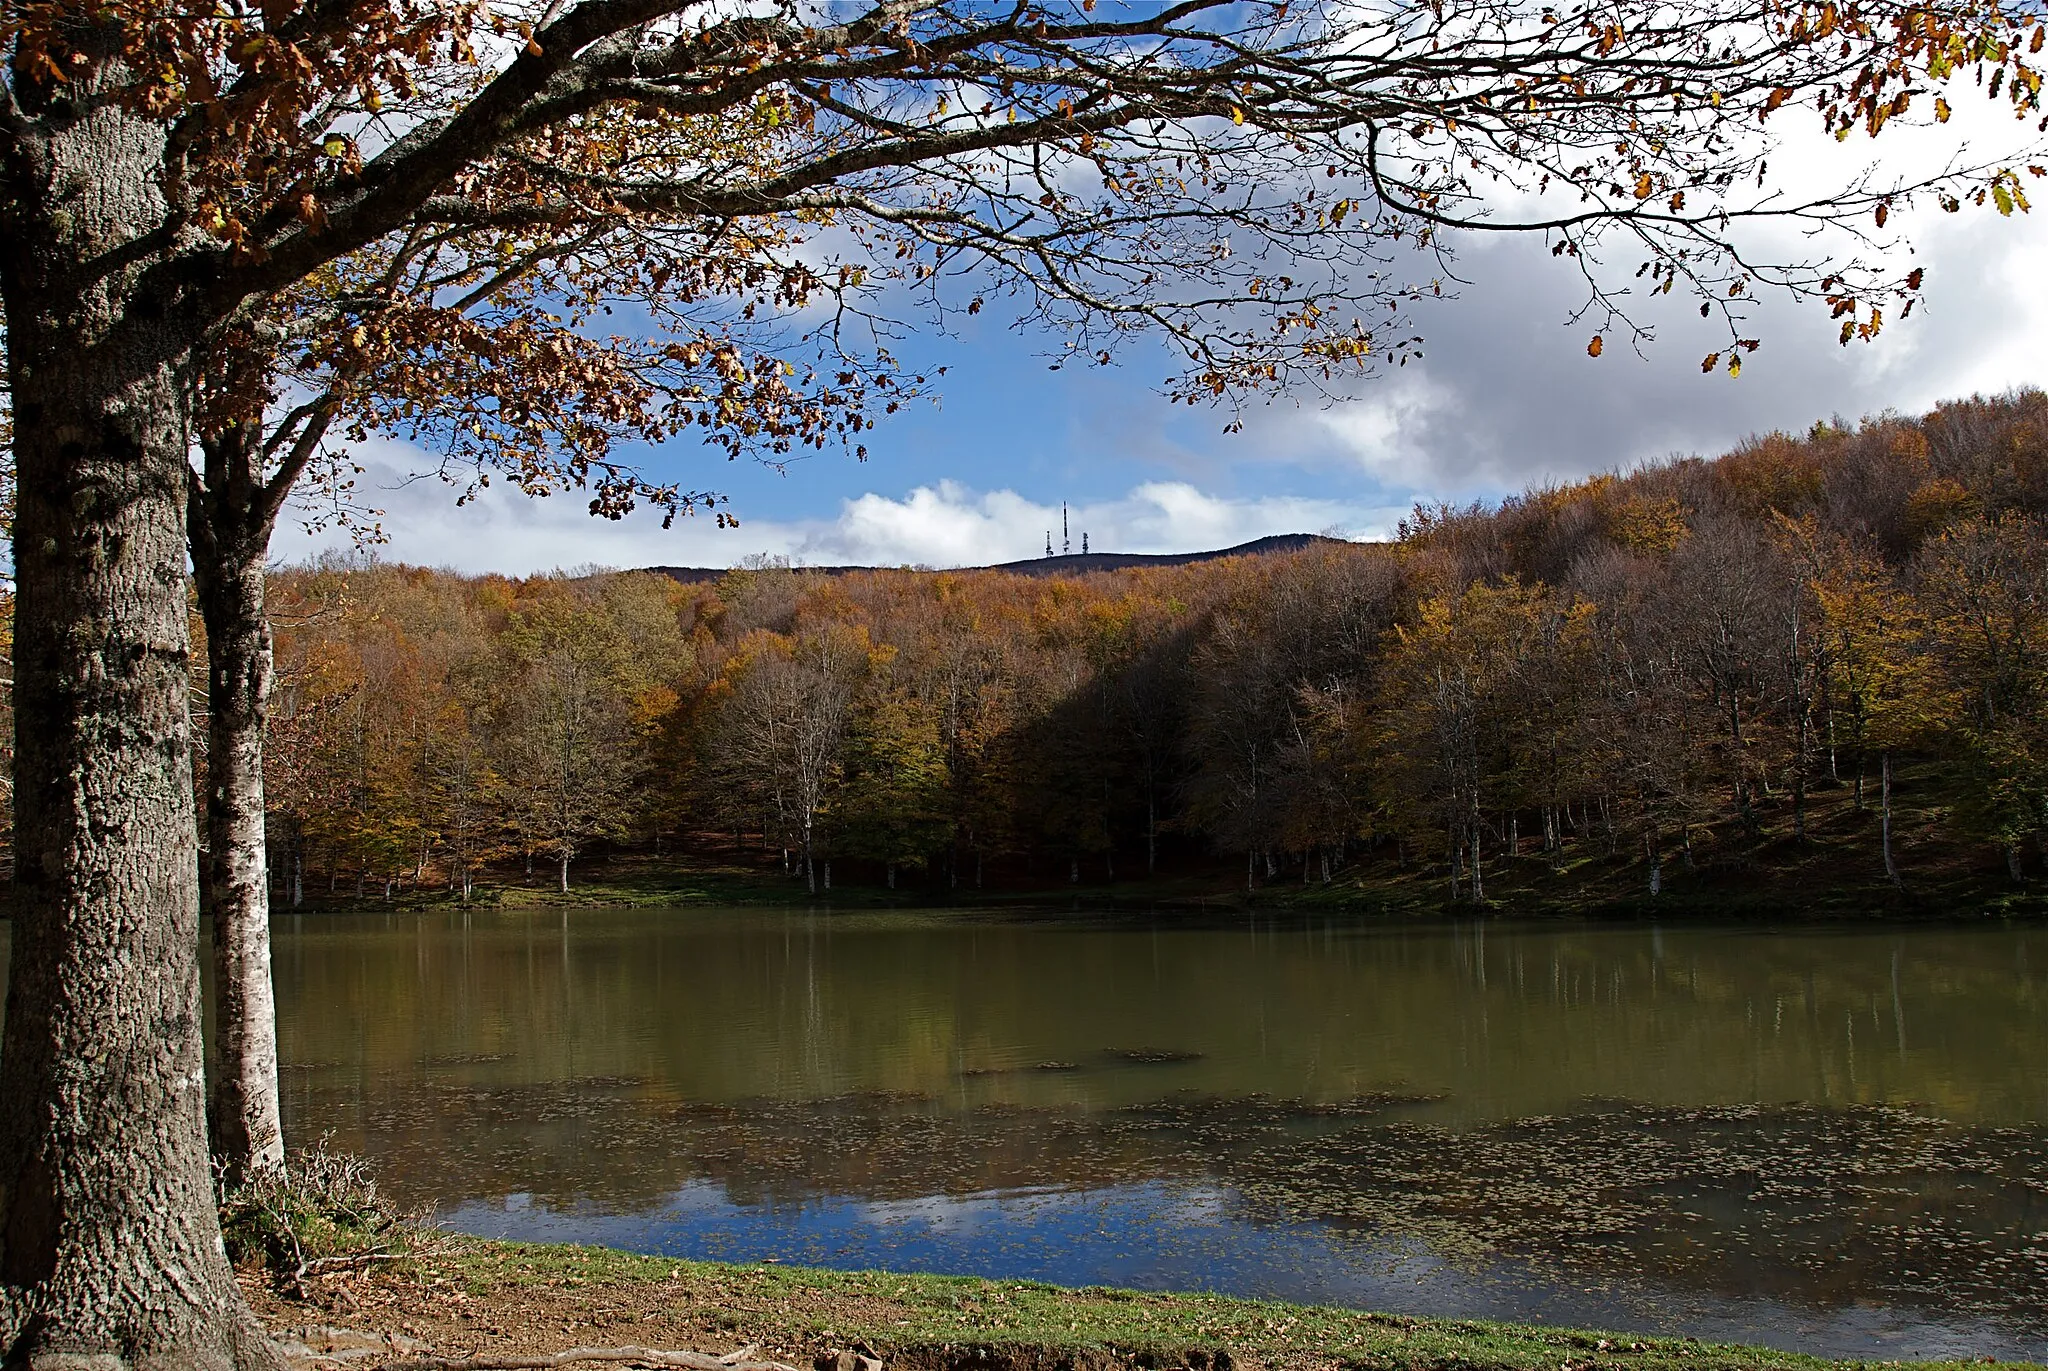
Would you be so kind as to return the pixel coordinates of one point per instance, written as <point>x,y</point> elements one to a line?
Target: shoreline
<point>464,1296</point>
<point>1373,896</point>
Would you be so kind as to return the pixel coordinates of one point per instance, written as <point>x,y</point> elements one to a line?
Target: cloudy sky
<point>1505,397</point>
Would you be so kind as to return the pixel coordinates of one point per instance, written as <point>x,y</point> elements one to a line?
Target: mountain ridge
<point>1064,564</point>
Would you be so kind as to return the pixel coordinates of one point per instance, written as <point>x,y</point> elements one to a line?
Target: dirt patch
<point>445,1309</point>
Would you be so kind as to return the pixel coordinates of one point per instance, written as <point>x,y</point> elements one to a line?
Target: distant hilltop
<point>1067,565</point>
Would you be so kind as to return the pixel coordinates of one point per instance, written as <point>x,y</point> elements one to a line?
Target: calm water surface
<point>1829,1140</point>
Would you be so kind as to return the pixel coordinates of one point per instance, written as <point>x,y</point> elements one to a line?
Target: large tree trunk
<point>110,1246</point>
<point>230,538</point>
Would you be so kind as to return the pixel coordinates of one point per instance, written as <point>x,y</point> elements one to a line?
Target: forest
<point>1661,666</point>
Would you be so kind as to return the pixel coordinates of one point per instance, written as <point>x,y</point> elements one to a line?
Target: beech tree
<point>1248,180</point>
<point>568,731</point>
<point>1983,589</point>
<point>778,735</point>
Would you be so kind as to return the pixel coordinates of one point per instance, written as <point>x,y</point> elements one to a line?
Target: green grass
<point>891,1313</point>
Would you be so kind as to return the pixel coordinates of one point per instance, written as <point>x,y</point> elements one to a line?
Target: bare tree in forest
<point>780,727</point>
<point>1718,598</point>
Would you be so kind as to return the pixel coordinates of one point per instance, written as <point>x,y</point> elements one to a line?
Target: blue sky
<point>1505,397</point>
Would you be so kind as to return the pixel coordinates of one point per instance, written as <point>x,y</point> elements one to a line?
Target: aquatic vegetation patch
<point>1816,1207</point>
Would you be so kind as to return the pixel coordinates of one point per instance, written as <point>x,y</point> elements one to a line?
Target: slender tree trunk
<point>564,858</point>
<point>1151,832</point>
<point>1891,870</point>
<point>1478,878</point>
<point>110,1247</point>
<point>230,537</point>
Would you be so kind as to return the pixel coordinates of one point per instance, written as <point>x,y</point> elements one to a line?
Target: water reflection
<point>1830,1139</point>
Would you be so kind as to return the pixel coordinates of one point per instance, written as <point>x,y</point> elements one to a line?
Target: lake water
<point>1833,1140</point>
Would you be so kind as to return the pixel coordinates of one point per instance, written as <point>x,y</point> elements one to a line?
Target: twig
<point>541,1361</point>
<point>353,1262</point>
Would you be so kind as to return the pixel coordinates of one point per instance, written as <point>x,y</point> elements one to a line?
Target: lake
<point>1830,1139</point>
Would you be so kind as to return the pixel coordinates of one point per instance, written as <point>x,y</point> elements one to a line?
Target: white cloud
<point>1506,396</point>
<point>950,525</point>
<point>942,525</point>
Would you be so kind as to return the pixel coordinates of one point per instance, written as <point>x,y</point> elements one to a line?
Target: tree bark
<point>110,1247</point>
<point>248,1136</point>
<point>228,561</point>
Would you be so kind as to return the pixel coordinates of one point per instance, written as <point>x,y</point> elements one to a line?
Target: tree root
<point>541,1361</point>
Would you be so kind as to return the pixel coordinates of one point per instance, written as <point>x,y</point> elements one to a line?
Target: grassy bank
<point>468,1296</point>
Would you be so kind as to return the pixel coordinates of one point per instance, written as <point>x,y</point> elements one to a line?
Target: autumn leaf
<point>1596,347</point>
<point>1645,187</point>
<point>1713,360</point>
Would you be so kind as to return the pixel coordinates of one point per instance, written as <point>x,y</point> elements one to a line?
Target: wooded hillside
<point>1665,667</point>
